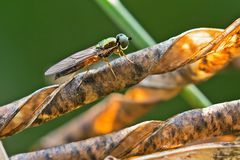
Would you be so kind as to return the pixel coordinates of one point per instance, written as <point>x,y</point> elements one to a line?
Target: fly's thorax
<point>107,43</point>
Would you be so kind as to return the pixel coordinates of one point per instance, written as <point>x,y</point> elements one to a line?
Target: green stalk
<point>195,97</point>
<point>120,15</point>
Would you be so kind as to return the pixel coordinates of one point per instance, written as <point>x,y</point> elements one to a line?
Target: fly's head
<point>123,41</point>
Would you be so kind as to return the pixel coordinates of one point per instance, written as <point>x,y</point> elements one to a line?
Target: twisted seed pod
<point>194,126</point>
<point>54,101</point>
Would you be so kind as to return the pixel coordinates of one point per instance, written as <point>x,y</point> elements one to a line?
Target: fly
<point>83,59</point>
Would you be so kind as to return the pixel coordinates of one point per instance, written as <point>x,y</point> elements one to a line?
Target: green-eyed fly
<point>91,55</point>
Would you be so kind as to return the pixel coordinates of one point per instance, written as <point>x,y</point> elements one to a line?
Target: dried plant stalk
<point>51,102</point>
<point>114,113</point>
<point>195,126</point>
<point>118,111</point>
<point>209,151</point>
<point>191,126</point>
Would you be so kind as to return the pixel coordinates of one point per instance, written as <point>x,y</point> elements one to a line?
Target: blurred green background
<point>36,34</point>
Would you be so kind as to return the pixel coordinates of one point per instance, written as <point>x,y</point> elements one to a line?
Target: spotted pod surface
<point>199,125</point>
<point>95,148</point>
<point>209,151</point>
<point>194,125</point>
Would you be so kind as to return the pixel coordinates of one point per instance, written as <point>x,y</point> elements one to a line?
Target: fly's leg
<point>109,65</point>
<point>121,53</point>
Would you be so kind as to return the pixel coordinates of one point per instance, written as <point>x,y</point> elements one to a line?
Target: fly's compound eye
<point>123,41</point>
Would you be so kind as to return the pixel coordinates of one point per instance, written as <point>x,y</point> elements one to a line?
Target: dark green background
<point>36,34</point>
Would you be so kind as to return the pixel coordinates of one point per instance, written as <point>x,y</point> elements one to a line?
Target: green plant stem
<point>3,153</point>
<point>120,15</point>
<point>195,97</point>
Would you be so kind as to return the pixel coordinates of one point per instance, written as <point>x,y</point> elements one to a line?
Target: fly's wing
<point>72,63</point>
